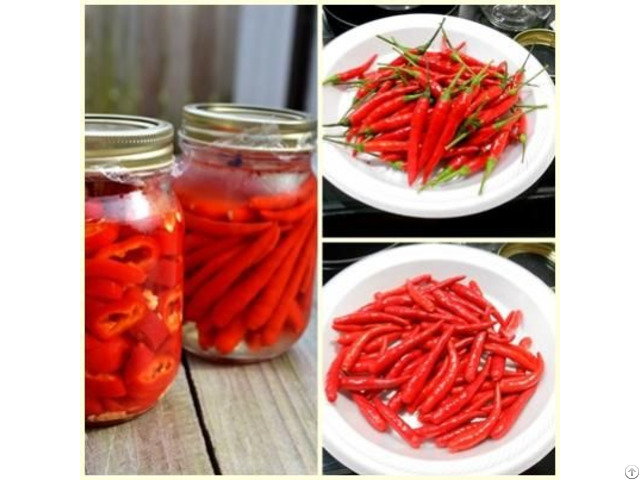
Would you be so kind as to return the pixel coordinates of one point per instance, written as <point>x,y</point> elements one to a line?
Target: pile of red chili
<point>438,350</point>
<point>427,109</point>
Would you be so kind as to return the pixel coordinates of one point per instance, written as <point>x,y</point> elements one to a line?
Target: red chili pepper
<point>485,97</point>
<point>369,383</point>
<point>497,147</point>
<point>400,365</point>
<point>449,408</point>
<point>147,375</point>
<point>466,440</point>
<point>408,313</point>
<point>521,133</point>
<point>98,234</point>
<point>363,111</point>
<point>389,107</point>
<point>485,134</point>
<point>444,301</point>
<point>437,123</point>
<point>464,151</point>
<point>292,214</point>
<point>474,356</point>
<point>352,73</point>
<point>141,251</point>
<point>497,367</point>
<point>412,388</point>
<point>513,352</point>
<point>424,303</point>
<point>511,414</point>
<point>370,412</point>
<point>399,425</point>
<point>356,348</point>
<point>512,323</point>
<point>394,122</point>
<point>170,308</point>
<point>418,121</point>
<point>332,382</point>
<point>399,134</point>
<point>216,287</point>
<point>451,124</point>
<point>432,431</point>
<point>110,320</point>
<point>397,351</point>
<point>205,226</point>
<point>370,317</point>
<point>444,386</point>
<point>525,343</point>
<point>519,384</point>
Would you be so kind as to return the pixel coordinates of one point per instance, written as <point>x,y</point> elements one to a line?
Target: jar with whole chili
<point>249,199</point>
<point>134,234</point>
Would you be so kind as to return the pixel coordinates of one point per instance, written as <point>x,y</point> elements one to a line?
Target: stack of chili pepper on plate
<point>435,115</point>
<point>438,350</point>
<point>133,305</point>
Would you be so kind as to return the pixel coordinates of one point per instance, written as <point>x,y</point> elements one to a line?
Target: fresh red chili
<point>399,425</point>
<point>469,439</point>
<point>370,412</point>
<point>352,73</point>
<point>511,414</point>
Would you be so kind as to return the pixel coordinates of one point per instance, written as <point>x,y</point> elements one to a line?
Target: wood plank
<point>165,440</point>
<point>262,418</point>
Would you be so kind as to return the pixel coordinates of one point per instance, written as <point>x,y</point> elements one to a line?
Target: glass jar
<point>134,234</point>
<point>249,198</point>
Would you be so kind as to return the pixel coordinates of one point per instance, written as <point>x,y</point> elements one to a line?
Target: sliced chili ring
<point>170,308</point>
<point>148,375</point>
<point>112,319</point>
<point>141,251</point>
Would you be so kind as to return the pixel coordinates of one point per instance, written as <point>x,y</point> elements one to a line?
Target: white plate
<point>386,189</point>
<point>351,440</point>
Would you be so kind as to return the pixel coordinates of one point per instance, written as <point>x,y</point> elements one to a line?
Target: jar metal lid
<point>247,127</point>
<point>537,36</point>
<point>136,144</point>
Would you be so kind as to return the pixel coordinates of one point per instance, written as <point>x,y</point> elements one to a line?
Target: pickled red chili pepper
<point>133,302</point>
<point>251,235</point>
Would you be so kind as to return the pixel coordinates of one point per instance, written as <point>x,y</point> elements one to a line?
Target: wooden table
<point>222,419</point>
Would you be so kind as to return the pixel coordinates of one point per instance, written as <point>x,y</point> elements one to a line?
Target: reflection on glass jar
<point>134,231</point>
<point>516,18</point>
<point>249,197</point>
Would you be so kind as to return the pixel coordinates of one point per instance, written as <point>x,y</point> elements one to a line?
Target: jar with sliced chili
<point>249,198</point>
<point>134,234</point>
